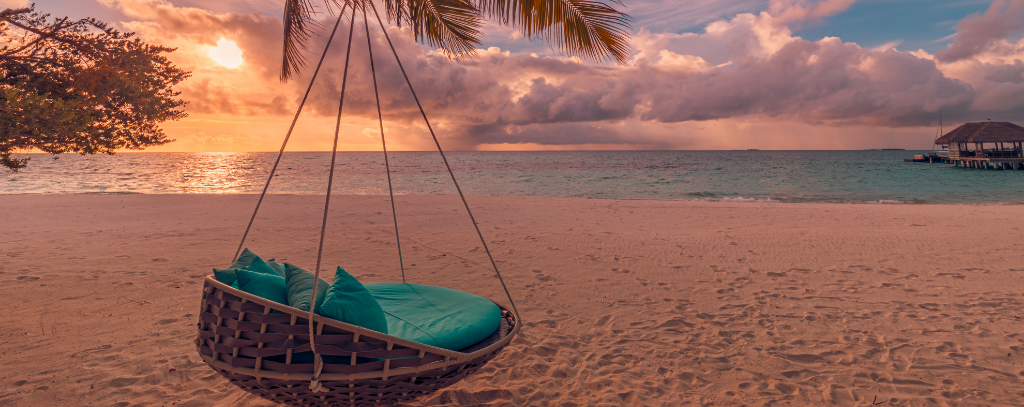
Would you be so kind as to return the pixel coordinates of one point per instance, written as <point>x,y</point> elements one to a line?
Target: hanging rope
<point>314,384</point>
<point>445,159</point>
<point>384,144</point>
<point>289,134</point>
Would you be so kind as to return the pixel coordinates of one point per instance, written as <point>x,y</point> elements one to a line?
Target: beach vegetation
<point>80,86</point>
<point>587,29</point>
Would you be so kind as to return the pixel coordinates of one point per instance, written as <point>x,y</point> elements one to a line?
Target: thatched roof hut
<point>986,145</point>
<point>983,132</point>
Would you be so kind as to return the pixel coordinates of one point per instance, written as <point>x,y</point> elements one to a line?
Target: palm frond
<point>585,28</point>
<point>298,27</point>
<point>452,25</point>
<point>397,11</point>
<point>589,29</point>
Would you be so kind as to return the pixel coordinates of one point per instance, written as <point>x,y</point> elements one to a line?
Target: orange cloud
<point>744,82</point>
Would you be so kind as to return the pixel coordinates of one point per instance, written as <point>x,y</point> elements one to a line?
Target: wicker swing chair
<point>251,341</point>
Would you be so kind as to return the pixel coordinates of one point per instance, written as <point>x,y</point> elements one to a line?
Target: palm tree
<point>588,29</point>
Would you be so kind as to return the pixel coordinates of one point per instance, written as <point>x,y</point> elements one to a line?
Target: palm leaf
<point>589,29</point>
<point>452,25</point>
<point>298,25</point>
<point>584,28</point>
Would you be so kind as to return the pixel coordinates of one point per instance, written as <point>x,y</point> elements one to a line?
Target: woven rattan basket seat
<point>251,341</point>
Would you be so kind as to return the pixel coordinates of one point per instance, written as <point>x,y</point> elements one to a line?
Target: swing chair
<point>252,340</point>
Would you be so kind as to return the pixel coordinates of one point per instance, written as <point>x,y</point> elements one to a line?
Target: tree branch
<point>8,13</point>
<point>11,111</point>
<point>41,33</point>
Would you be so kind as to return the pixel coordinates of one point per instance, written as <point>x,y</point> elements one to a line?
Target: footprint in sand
<point>739,282</point>
<point>123,381</point>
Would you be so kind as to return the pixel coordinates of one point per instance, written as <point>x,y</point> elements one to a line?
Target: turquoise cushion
<point>260,266</point>
<point>246,261</point>
<point>277,267</point>
<point>299,284</point>
<point>269,286</point>
<point>436,316</point>
<point>348,301</point>
<point>226,277</point>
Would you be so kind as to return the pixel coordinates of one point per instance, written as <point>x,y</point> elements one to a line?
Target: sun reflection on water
<point>215,173</point>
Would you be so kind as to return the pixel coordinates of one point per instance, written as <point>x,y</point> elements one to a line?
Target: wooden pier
<point>996,146</point>
<point>989,163</point>
<point>927,158</point>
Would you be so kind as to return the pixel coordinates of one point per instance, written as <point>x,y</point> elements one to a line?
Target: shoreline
<point>624,301</point>
<point>737,200</point>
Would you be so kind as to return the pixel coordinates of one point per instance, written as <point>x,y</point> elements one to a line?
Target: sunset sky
<point>735,74</point>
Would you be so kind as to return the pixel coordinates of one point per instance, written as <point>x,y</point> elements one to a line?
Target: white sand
<point>625,302</point>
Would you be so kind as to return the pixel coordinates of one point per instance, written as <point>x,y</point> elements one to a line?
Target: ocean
<point>871,176</point>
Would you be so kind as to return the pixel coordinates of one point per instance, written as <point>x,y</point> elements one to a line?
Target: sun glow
<point>226,53</point>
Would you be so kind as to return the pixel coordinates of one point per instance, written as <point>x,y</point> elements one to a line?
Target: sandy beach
<point>645,303</point>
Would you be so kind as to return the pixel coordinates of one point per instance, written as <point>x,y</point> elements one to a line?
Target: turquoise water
<point>783,176</point>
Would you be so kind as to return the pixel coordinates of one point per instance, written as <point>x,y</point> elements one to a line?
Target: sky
<point>711,75</point>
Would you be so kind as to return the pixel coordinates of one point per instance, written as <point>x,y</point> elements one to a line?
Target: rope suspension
<point>315,385</point>
<point>445,159</point>
<point>289,134</point>
<point>384,144</point>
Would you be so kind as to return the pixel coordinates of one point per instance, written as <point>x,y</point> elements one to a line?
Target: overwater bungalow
<point>986,145</point>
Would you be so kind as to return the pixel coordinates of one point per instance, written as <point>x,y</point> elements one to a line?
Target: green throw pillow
<point>260,266</point>
<point>348,301</point>
<point>276,266</point>
<point>226,276</point>
<point>299,284</point>
<point>269,286</point>
<point>246,261</point>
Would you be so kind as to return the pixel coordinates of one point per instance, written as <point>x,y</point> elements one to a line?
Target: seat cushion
<point>348,301</point>
<point>436,316</point>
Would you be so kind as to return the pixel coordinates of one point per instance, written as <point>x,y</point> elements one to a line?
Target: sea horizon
<point>754,175</point>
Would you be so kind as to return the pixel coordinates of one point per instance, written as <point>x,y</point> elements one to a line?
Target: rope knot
<point>314,383</point>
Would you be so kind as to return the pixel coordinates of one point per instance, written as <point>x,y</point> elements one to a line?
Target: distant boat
<point>943,147</point>
<point>933,156</point>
